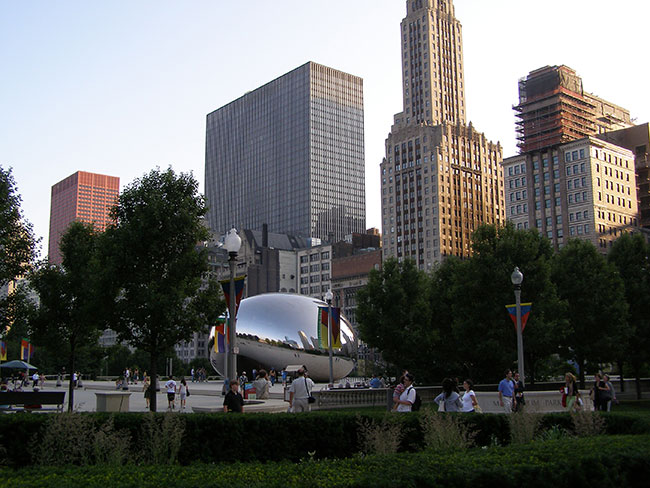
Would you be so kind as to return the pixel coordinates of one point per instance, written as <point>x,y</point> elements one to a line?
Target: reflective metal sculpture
<point>276,330</point>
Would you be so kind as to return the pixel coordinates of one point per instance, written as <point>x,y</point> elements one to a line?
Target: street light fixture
<point>517,278</point>
<point>328,298</point>
<point>232,244</point>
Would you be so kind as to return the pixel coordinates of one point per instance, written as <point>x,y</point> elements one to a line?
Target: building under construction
<point>554,109</point>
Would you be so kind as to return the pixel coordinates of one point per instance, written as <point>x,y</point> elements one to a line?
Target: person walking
<point>449,400</point>
<point>182,391</point>
<point>299,393</point>
<point>469,397</point>
<point>171,392</point>
<point>233,401</point>
<point>570,393</point>
<point>146,388</point>
<point>407,397</point>
<point>612,392</point>
<point>506,392</point>
<point>519,400</point>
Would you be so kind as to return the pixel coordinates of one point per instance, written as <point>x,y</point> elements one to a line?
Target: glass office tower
<point>290,154</point>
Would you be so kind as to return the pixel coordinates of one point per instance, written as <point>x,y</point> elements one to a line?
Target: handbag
<point>187,391</point>
<point>310,399</point>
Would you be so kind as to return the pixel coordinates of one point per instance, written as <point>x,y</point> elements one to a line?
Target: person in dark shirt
<point>233,402</point>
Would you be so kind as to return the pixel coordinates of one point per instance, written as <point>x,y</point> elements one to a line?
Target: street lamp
<point>517,277</point>
<point>232,243</point>
<point>328,298</point>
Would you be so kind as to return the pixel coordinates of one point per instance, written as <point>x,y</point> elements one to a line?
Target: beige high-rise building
<point>441,178</point>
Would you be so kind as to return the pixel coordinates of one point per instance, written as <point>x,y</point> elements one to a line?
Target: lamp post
<point>328,298</point>
<point>232,243</point>
<point>517,277</point>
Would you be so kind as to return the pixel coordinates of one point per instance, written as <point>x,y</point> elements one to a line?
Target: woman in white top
<point>448,400</point>
<point>407,397</point>
<point>469,398</point>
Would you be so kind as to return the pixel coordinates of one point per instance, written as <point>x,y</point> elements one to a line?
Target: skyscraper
<point>440,178</point>
<point>290,154</point>
<point>84,197</point>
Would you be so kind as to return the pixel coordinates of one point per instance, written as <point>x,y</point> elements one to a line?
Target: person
<point>41,380</point>
<point>284,377</point>
<point>146,388</point>
<point>261,385</point>
<point>171,392</point>
<point>233,401</point>
<point>407,396</point>
<point>35,379</point>
<point>519,400</point>
<point>243,379</point>
<point>192,374</point>
<point>469,397</point>
<point>399,389</point>
<point>570,392</point>
<point>449,400</point>
<point>594,393</point>
<point>612,392</point>
<point>506,392</point>
<point>375,382</point>
<point>604,393</point>
<point>74,380</point>
<point>273,376</point>
<point>182,391</point>
<point>299,392</point>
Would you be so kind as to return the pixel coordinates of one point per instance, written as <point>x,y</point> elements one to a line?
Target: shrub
<point>445,431</point>
<point>161,438</point>
<point>523,427</point>
<point>587,424</point>
<point>379,437</point>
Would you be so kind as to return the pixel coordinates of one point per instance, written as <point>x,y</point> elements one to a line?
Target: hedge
<point>570,462</point>
<point>276,437</point>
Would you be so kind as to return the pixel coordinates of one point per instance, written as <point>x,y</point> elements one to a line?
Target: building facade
<point>290,154</point>
<point>441,178</point>
<point>84,197</point>
<point>582,189</point>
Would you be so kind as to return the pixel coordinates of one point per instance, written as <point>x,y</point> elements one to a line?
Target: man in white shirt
<point>299,392</point>
<point>171,392</point>
<point>35,379</point>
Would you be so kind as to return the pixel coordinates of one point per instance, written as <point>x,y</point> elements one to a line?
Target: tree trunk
<point>71,385</point>
<point>154,379</point>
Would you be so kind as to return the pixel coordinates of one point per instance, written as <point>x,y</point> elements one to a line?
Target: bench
<point>32,400</point>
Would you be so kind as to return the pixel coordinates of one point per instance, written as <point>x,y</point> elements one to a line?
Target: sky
<point>121,87</point>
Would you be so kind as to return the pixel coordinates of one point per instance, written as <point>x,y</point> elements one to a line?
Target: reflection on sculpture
<point>275,330</point>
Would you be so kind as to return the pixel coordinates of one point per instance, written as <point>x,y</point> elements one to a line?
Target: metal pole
<point>520,337</point>
<point>231,368</point>
<point>329,333</point>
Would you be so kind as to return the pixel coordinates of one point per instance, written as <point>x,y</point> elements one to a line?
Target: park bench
<point>31,400</point>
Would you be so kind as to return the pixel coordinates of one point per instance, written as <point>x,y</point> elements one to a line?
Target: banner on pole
<point>26,350</point>
<point>525,312</point>
<point>3,351</point>
<point>239,291</point>
<point>323,321</point>
<point>220,337</point>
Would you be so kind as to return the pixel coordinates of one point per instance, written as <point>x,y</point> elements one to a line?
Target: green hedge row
<point>276,437</point>
<point>571,462</point>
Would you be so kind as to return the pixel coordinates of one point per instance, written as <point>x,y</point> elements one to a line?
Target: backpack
<point>417,404</point>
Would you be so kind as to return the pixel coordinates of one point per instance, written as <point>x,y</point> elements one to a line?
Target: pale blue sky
<point>121,86</point>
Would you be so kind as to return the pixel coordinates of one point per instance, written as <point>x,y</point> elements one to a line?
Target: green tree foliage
<point>597,310</point>
<point>68,317</point>
<point>17,247</point>
<point>631,256</point>
<point>153,264</point>
<point>483,334</point>
<point>393,313</point>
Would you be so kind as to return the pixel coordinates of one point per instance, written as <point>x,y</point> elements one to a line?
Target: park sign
<point>525,312</point>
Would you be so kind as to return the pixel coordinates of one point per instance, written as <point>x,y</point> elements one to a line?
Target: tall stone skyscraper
<point>441,178</point>
<point>290,154</point>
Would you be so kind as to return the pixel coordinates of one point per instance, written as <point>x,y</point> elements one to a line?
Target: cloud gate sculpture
<point>275,330</point>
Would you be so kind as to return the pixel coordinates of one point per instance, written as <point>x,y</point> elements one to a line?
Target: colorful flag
<point>220,338</point>
<point>525,312</point>
<point>26,350</point>
<point>239,291</point>
<point>323,321</point>
<point>3,351</point>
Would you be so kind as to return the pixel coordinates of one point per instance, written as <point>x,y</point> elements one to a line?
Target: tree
<point>393,314</point>
<point>597,309</point>
<point>153,264</point>
<point>17,246</point>
<point>482,337</point>
<point>631,256</point>
<point>68,317</point>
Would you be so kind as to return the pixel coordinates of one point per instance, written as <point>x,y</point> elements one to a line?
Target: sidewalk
<point>204,397</point>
